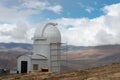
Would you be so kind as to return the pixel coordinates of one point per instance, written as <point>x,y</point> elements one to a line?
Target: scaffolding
<point>58,55</point>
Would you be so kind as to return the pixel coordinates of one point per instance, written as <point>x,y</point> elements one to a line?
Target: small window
<point>35,66</point>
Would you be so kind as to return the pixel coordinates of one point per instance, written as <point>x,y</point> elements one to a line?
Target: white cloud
<point>42,5</point>
<point>19,32</point>
<point>34,4</point>
<point>25,8</point>
<point>81,31</point>
<point>56,8</point>
<point>112,10</point>
<point>12,14</point>
<point>98,31</point>
<point>87,8</point>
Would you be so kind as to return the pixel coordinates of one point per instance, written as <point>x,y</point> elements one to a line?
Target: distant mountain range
<point>12,45</point>
<point>27,46</point>
<point>10,51</point>
<point>77,57</point>
<point>92,57</point>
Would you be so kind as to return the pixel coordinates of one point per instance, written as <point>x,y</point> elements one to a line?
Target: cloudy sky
<point>81,22</point>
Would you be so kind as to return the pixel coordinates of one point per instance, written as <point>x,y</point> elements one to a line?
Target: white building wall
<point>24,58</point>
<point>43,37</point>
<point>41,63</point>
<point>52,52</point>
<point>41,47</point>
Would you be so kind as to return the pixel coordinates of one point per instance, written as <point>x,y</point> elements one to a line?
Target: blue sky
<point>81,22</point>
<point>75,9</point>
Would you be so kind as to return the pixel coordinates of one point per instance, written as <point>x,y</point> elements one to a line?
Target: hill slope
<point>107,72</point>
<point>77,57</point>
<point>9,53</point>
<point>95,56</point>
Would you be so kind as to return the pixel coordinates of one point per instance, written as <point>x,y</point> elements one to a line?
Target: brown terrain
<point>8,58</point>
<point>93,57</point>
<point>75,64</point>
<point>72,59</point>
<point>106,72</point>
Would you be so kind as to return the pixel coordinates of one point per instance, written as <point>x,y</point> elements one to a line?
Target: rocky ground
<point>106,72</point>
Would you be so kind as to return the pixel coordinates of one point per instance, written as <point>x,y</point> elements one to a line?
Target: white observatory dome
<point>46,50</point>
<point>49,32</point>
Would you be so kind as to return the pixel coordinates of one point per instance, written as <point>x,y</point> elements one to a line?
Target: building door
<point>23,66</point>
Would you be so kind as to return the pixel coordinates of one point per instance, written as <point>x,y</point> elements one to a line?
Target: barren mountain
<point>94,56</point>
<point>9,53</point>
<point>75,58</point>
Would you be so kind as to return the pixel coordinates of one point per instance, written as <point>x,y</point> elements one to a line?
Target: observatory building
<point>46,51</point>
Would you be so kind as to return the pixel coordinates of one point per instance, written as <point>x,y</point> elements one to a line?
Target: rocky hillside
<point>92,57</point>
<point>9,53</point>
<point>106,72</point>
<point>8,58</point>
<point>77,57</point>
